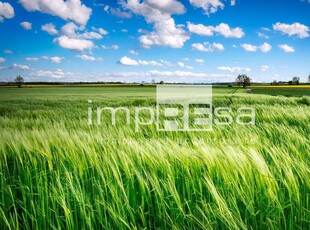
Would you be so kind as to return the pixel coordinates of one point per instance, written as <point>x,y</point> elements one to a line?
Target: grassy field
<point>287,90</point>
<point>57,172</point>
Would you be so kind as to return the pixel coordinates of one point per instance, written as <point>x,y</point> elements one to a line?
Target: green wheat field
<point>57,172</point>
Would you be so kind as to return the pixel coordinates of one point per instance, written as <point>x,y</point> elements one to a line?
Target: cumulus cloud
<point>199,60</point>
<point>73,43</point>
<point>112,47</point>
<point>20,67</point>
<point>182,65</point>
<point>72,39</point>
<point>133,52</point>
<point>117,12</point>
<point>2,60</point>
<point>70,30</point>
<point>50,29</point>
<point>166,32</point>
<point>265,48</point>
<point>57,74</point>
<point>26,25</point>
<point>207,47</point>
<point>56,59</point>
<point>222,29</point>
<point>286,48</point>
<point>33,59</point>
<point>100,31</point>
<point>68,10</point>
<point>6,11</point>
<point>128,61</point>
<point>264,68</point>
<point>234,69</point>
<point>210,6</point>
<point>300,30</point>
<point>184,74</point>
<point>131,62</point>
<point>53,59</point>
<point>262,35</point>
<point>88,58</point>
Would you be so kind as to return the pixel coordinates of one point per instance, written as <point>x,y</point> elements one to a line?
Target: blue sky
<point>142,40</point>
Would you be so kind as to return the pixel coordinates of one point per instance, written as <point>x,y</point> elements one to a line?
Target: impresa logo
<point>179,108</point>
<point>184,108</point>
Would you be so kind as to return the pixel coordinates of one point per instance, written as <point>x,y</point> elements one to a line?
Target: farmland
<point>288,91</point>
<point>57,172</point>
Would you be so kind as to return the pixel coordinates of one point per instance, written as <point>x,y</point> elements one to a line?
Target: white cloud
<point>33,59</point>
<point>207,47</point>
<point>286,48</point>
<point>49,28</point>
<point>222,29</point>
<point>265,29</point>
<point>88,58</point>
<point>300,30</point>
<point>131,62</point>
<point>117,12</point>
<point>200,60</point>
<point>210,6</point>
<point>51,59</point>
<point>90,35</point>
<point>56,59</point>
<point>264,68</point>
<point>262,35</point>
<point>6,11</point>
<point>20,67</point>
<point>68,10</point>
<point>102,31</point>
<point>133,52</point>
<point>70,30</point>
<point>235,69</point>
<point>26,25</point>
<point>2,60</point>
<point>128,61</point>
<point>124,30</point>
<point>182,65</point>
<point>176,74</point>
<point>57,74</point>
<point>265,48</point>
<point>200,29</point>
<point>112,47</point>
<point>73,43</point>
<point>249,47</point>
<point>166,32</point>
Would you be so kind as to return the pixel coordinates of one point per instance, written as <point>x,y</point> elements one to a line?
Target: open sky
<point>144,40</point>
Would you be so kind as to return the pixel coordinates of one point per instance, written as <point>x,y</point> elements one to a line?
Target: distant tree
<point>309,78</point>
<point>275,82</point>
<point>290,82</point>
<point>295,80</point>
<point>153,81</point>
<point>243,80</point>
<point>161,82</point>
<point>19,81</point>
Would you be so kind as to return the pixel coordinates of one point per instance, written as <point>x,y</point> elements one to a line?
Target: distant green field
<point>59,172</point>
<point>288,91</point>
